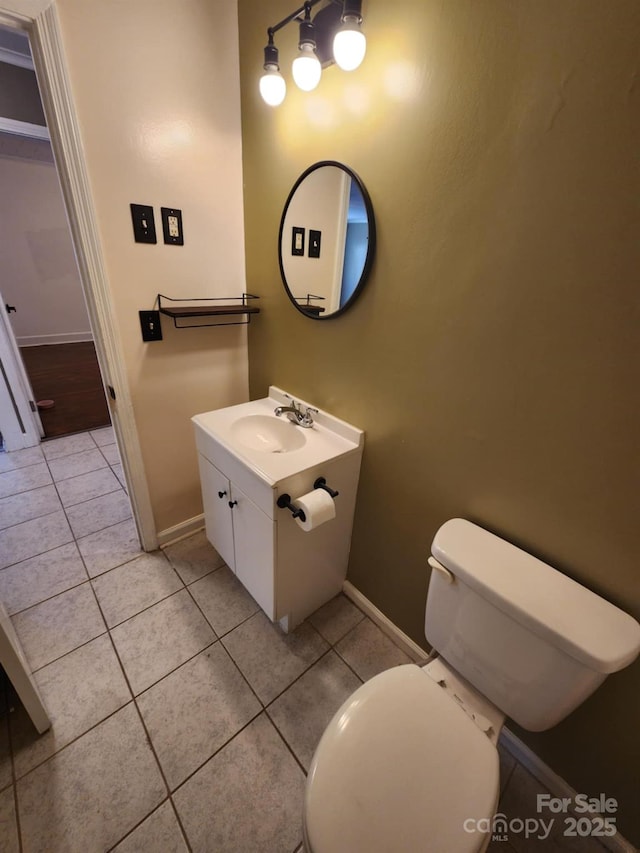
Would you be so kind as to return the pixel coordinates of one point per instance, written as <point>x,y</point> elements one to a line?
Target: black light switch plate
<point>314,243</point>
<point>297,241</point>
<point>172,226</point>
<point>144,226</point>
<point>150,325</point>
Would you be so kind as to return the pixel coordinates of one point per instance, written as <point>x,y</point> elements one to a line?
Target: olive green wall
<point>493,357</point>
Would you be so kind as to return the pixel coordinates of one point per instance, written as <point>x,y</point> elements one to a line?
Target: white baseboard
<point>62,338</point>
<point>385,624</point>
<point>555,784</point>
<point>180,531</point>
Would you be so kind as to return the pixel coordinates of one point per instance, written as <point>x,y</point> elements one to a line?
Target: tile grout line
<point>180,824</point>
<point>41,553</point>
<point>148,606</point>
<point>146,817</point>
<point>219,750</point>
<point>217,638</point>
<point>64,509</point>
<point>20,467</point>
<point>283,738</point>
<point>139,824</point>
<point>55,594</point>
<point>133,697</point>
<point>161,771</point>
<point>263,707</point>
<point>74,540</point>
<point>80,646</point>
<point>142,723</point>
<point>508,779</point>
<point>71,742</point>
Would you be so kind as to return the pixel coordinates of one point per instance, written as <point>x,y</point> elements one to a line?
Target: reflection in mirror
<point>327,240</point>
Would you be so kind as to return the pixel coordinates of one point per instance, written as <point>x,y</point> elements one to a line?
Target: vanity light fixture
<point>349,43</point>
<point>272,85</point>
<point>334,35</point>
<point>306,68</point>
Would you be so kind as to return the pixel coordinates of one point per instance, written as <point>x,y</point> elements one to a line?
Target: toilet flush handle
<point>446,574</point>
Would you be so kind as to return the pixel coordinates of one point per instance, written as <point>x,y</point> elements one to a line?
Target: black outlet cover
<point>150,325</point>
<point>144,226</point>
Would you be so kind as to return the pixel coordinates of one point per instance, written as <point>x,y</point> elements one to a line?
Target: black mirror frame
<point>370,248</point>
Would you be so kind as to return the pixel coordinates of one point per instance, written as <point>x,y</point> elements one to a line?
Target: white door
<point>20,422</point>
<point>15,665</point>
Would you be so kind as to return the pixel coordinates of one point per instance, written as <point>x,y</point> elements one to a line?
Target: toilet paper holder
<point>284,501</point>
<point>321,483</point>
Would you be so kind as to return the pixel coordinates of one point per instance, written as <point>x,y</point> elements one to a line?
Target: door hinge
<point>34,408</point>
<point>112,392</point>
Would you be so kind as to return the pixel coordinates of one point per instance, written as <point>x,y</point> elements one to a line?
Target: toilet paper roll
<point>318,507</point>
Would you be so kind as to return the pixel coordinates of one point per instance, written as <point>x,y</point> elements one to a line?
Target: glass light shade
<point>272,86</point>
<point>349,45</point>
<point>306,69</point>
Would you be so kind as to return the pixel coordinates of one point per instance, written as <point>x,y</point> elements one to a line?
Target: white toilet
<point>411,755</point>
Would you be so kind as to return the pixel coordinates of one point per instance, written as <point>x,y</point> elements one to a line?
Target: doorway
<point>47,48</point>
<point>41,285</point>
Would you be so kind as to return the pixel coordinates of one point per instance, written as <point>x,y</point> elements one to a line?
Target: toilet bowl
<point>409,763</point>
<point>408,758</point>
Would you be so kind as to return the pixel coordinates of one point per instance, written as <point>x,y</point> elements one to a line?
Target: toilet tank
<point>533,641</point>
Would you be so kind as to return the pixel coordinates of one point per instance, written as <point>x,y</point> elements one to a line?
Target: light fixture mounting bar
<point>292,17</point>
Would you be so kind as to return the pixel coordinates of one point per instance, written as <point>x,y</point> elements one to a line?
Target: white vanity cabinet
<point>289,571</point>
<point>241,533</point>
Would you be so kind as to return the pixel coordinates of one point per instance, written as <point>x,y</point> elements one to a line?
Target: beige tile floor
<point>182,718</point>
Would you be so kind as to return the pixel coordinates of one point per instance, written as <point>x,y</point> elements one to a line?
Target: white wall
<point>319,203</point>
<point>25,7</point>
<point>39,271</point>
<point>156,88</point>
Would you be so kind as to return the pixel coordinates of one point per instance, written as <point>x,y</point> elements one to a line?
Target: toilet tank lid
<point>556,608</point>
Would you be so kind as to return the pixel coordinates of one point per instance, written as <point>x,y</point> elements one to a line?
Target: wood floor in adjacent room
<point>69,375</point>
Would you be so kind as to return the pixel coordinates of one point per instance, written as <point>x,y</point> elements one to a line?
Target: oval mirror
<point>327,240</point>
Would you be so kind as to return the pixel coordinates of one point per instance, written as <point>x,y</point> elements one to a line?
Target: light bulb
<point>306,68</point>
<point>349,44</point>
<point>272,86</point>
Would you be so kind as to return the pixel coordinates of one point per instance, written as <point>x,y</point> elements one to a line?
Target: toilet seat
<point>400,769</point>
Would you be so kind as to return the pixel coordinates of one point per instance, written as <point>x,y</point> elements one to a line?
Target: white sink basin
<point>273,447</point>
<point>268,434</point>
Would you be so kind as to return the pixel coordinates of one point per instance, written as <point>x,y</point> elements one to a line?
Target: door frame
<point>50,66</point>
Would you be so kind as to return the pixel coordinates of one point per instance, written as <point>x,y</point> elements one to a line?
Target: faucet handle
<point>306,419</point>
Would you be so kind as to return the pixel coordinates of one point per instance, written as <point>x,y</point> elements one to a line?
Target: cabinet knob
<point>221,495</point>
<point>232,504</point>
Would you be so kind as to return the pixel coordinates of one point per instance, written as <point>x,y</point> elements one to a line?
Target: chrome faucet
<point>295,414</point>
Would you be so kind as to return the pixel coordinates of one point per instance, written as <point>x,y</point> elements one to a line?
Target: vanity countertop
<point>272,461</point>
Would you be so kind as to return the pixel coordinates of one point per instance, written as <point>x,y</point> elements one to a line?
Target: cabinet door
<point>254,535</point>
<point>216,494</point>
